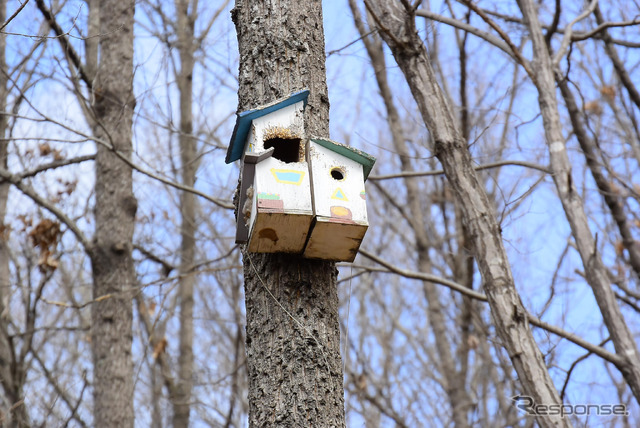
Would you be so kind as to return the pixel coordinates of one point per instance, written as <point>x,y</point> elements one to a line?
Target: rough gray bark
<point>13,364</point>
<point>397,26</point>
<point>543,77</point>
<point>115,209</point>
<point>12,375</point>
<point>5,349</point>
<point>293,336</point>
<point>189,165</point>
<point>453,380</point>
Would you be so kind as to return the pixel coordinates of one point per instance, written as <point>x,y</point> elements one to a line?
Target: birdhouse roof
<point>364,159</point>
<point>244,119</point>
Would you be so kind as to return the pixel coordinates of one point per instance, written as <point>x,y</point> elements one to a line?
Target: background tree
<point>115,212</point>
<point>486,242</point>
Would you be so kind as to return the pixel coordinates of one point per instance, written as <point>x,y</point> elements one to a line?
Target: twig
<point>30,192</point>
<point>478,168</point>
<point>351,43</point>
<point>64,42</point>
<point>425,277</point>
<point>77,306</point>
<point>504,36</point>
<point>569,30</point>
<point>22,6</point>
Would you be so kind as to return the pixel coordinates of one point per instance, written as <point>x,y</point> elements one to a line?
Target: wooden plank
<point>334,241</point>
<point>279,232</point>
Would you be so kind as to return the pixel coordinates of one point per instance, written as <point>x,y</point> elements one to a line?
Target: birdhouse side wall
<point>338,186</point>
<point>282,212</point>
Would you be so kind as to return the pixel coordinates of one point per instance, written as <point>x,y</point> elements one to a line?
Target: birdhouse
<point>275,210</point>
<point>338,173</point>
<point>297,195</point>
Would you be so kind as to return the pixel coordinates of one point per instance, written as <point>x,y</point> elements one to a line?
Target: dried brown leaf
<point>159,348</point>
<point>608,92</point>
<point>45,149</point>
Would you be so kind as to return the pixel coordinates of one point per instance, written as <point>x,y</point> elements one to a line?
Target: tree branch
<point>31,193</point>
<point>22,6</point>
<point>67,48</point>
<point>566,39</point>
<point>424,277</point>
<point>516,52</point>
<point>491,165</point>
<point>533,320</point>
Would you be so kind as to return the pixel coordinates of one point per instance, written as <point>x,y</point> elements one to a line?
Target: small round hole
<point>337,173</point>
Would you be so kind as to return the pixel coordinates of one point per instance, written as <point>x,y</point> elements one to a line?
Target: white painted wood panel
<point>282,212</point>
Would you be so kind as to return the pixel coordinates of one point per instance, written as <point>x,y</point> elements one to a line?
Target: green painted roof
<point>364,159</point>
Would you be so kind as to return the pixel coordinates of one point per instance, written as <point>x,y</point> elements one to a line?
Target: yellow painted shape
<point>340,211</point>
<point>339,194</point>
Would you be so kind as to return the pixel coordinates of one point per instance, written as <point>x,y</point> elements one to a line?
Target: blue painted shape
<point>339,194</point>
<point>243,122</point>
<point>289,177</point>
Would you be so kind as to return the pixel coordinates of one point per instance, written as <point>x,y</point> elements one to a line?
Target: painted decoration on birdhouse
<point>275,196</point>
<point>338,174</point>
<point>297,196</point>
<point>283,214</point>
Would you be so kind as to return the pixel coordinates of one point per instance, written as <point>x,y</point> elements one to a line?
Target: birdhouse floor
<point>283,232</point>
<point>335,240</point>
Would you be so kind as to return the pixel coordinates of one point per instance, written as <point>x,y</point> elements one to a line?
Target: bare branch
<point>504,36</point>
<point>495,41</point>
<point>491,165</point>
<point>67,48</point>
<point>22,6</point>
<point>31,193</point>
<point>569,31</point>
<point>595,349</point>
<point>577,37</point>
<point>425,277</point>
<point>598,350</point>
<point>55,164</point>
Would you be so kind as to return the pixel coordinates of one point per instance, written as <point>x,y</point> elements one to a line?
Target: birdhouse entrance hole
<point>337,173</point>
<point>287,150</point>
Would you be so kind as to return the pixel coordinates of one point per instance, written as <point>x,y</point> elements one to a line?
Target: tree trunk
<point>5,274</point>
<point>188,160</point>
<point>293,336</point>
<point>12,367</point>
<point>15,414</point>
<point>398,30</point>
<point>115,210</point>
